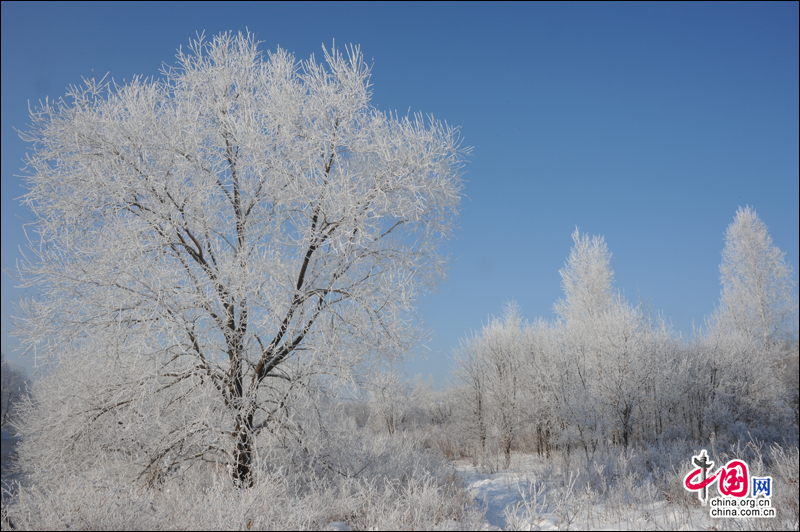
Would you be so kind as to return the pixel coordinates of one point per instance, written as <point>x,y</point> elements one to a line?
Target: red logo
<point>732,479</point>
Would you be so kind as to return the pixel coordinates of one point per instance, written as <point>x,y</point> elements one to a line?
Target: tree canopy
<point>230,231</point>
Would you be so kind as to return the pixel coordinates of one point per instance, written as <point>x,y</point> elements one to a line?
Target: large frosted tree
<point>604,368</point>
<point>757,298</point>
<point>205,244</point>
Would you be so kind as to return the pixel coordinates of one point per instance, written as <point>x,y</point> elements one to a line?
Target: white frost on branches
<point>213,241</point>
<point>757,299</point>
<point>587,280</point>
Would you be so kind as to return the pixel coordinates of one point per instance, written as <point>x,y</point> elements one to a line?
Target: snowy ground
<point>622,493</point>
<point>534,495</point>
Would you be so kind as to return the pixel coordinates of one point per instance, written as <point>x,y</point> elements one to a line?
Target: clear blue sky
<point>646,123</point>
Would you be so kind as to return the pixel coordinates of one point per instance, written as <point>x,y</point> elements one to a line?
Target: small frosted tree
<point>757,297</point>
<point>587,280</point>
<point>470,372</point>
<point>389,399</point>
<point>491,367</point>
<point>502,346</point>
<point>208,244</point>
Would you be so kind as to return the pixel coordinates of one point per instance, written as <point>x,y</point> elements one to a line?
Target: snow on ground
<point>535,495</point>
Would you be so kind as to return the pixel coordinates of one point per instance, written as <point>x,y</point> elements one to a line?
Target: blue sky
<point>646,123</point>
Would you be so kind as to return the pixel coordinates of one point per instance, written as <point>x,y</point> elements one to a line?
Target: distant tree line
<point>607,373</point>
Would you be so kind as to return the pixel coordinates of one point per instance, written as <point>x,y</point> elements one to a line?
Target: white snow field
<point>534,496</point>
<point>616,490</point>
<point>538,494</point>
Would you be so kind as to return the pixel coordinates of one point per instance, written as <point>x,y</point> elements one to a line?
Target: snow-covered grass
<point>398,485</point>
<point>621,491</point>
<point>392,483</point>
<point>92,502</point>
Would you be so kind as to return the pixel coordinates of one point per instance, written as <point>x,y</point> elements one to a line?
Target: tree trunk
<point>507,450</point>
<point>626,426</point>
<point>242,473</point>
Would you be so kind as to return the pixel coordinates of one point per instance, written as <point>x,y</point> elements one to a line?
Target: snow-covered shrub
<point>785,471</point>
<point>360,481</point>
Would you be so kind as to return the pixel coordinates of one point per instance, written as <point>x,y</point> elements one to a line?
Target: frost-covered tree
<point>739,355</point>
<point>758,298</point>
<point>624,362</point>
<point>502,346</point>
<point>543,401</point>
<point>490,365</point>
<point>603,370</point>
<point>470,373</point>
<point>389,399</point>
<point>207,244</point>
<point>587,280</point>
<point>13,387</point>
